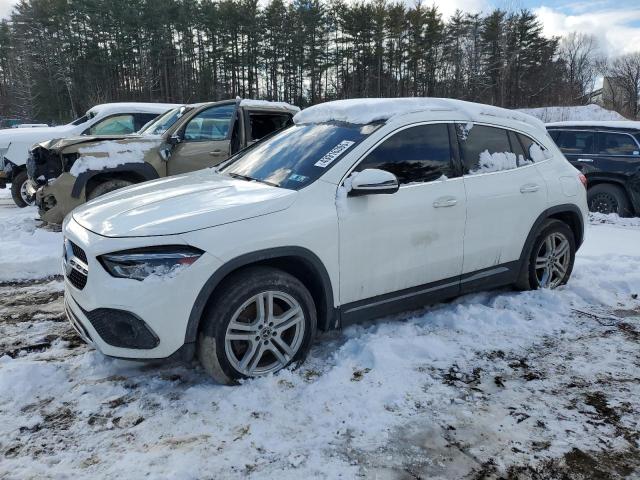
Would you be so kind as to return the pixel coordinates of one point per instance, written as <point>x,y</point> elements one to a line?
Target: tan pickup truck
<point>68,172</point>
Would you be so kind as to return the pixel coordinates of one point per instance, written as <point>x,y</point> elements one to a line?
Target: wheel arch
<point>567,213</point>
<point>630,186</point>
<point>136,172</point>
<point>297,261</point>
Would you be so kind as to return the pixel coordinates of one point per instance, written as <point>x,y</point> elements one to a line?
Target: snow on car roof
<point>267,104</point>
<point>131,107</point>
<point>628,124</point>
<point>366,110</point>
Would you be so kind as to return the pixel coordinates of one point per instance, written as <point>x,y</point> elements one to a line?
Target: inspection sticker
<point>334,153</point>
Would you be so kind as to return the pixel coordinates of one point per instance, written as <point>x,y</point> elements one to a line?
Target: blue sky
<point>614,23</point>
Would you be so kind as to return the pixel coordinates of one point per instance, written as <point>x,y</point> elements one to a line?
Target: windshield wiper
<point>251,179</point>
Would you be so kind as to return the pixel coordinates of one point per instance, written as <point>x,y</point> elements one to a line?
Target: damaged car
<point>108,119</point>
<point>66,173</point>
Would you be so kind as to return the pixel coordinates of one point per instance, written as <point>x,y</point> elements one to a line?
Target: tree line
<point>59,57</point>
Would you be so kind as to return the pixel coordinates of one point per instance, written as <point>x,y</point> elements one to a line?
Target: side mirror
<point>174,139</point>
<point>371,181</point>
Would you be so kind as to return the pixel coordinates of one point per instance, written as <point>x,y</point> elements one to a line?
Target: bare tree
<point>623,76</point>
<point>579,54</point>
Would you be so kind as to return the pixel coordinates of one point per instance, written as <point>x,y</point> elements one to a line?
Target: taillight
<point>583,180</point>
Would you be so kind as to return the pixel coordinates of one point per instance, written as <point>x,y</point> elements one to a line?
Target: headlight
<point>141,263</point>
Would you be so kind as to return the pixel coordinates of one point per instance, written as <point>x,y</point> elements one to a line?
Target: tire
<point>17,189</point>
<point>107,187</point>
<point>608,198</point>
<point>549,273</point>
<point>234,344</point>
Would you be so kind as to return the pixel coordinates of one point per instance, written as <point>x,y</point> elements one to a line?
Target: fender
<point>549,212</point>
<point>143,169</point>
<point>300,253</point>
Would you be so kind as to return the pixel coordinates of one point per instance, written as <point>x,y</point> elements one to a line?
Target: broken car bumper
<point>54,200</point>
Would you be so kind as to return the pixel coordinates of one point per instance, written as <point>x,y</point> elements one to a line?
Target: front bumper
<point>3,179</point>
<point>54,200</point>
<point>162,306</point>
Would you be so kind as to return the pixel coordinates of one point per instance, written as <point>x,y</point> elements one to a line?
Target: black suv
<point>608,154</point>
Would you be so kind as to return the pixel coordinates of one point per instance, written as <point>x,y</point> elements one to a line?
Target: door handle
<point>443,202</point>
<point>216,153</point>
<point>588,160</point>
<point>529,188</point>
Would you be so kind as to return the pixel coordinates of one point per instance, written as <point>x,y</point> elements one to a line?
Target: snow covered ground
<point>504,384</point>
<point>583,112</point>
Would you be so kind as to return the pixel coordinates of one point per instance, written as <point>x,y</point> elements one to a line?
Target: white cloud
<point>448,7</point>
<point>612,28</point>
<point>5,7</point>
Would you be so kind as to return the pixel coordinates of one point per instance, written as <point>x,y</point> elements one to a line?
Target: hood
<point>58,144</point>
<point>33,135</point>
<point>180,204</point>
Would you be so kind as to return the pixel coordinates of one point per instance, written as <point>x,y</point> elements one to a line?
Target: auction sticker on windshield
<point>334,153</point>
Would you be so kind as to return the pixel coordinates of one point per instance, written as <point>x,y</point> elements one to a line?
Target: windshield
<point>163,122</point>
<point>297,156</point>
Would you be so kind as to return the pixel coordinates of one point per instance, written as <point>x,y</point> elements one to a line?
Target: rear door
<point>505,195</point>
<point>578,146</point>
<point>205,140</point>
<point>618,153</point>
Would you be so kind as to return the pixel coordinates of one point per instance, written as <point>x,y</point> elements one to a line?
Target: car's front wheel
<point>551,258</point>
<point>261,321</point>
<point>108,187</point>
<point>19,190</point>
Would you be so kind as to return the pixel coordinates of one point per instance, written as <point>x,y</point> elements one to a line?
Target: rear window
<point>617,144</point>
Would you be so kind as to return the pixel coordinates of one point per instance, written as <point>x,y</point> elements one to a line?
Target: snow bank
<point>367,110</point>
<point>582,112</point>
<point>25,250</point>
<point>113,155</point>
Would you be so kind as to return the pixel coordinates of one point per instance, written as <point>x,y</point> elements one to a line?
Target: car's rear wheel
<point>19,190</point>
<point>107,187</point>
<point>607,198</point>
<point>550,261</point>
<point>261,321</point>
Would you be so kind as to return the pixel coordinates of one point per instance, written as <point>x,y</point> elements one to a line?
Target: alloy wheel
<point>24,195</point>
<point>265,333</point>
<point>552,260</point>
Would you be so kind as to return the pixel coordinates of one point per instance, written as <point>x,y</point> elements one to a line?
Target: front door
<point>409,243</point>
<point>206,140</point>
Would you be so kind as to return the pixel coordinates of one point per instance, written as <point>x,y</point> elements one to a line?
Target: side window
<point>617,144</point>
<point>113,125</point>
<point>486,149</point>
<point>210,124</point>
<point>415,154</point>
<point>575,142</point>
<point>141,119</point>
<point>533,151</point>
<point>262,124</point>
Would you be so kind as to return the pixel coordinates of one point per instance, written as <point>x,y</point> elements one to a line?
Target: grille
<point>78,252</point>
<point>76,264</point>
<point>77,279</point>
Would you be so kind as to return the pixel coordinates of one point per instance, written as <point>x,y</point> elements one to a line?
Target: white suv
<point>361,209</point>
